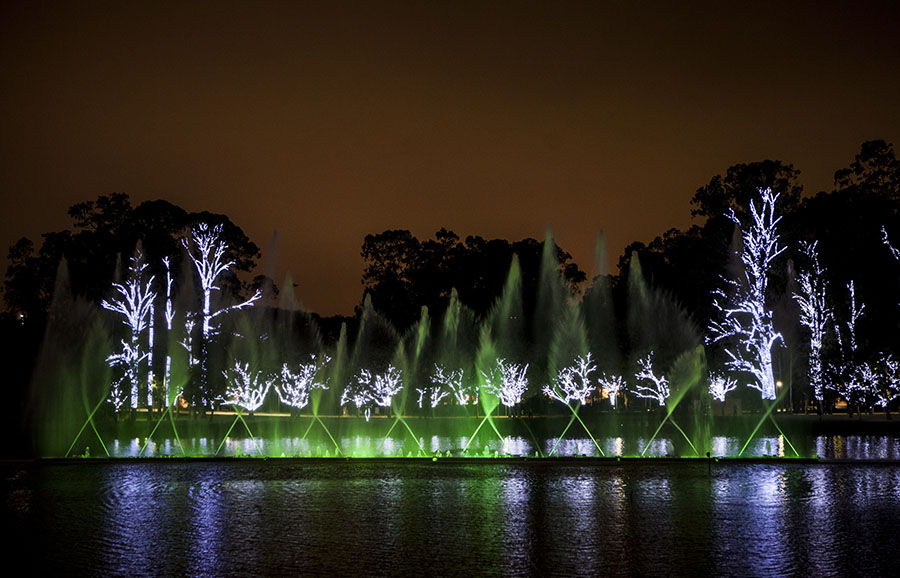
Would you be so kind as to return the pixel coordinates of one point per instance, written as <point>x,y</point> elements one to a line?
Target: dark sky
<point>488,118</point>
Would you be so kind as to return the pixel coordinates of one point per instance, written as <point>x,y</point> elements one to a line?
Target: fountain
<point>170,368</point>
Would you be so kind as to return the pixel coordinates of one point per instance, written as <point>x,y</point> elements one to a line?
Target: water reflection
<point>206,523</point>
<point>412,518</point>
<point>855,447</point>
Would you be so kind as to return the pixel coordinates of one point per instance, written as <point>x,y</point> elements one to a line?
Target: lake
<point>453,518</point>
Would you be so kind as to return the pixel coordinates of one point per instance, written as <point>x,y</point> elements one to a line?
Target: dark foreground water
<point>335,518</point>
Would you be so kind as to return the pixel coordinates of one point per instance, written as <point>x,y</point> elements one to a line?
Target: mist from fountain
<point>450,385</point>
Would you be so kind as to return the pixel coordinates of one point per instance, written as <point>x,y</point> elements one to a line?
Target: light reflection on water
<point>856,447</point>
<point>403,518</point>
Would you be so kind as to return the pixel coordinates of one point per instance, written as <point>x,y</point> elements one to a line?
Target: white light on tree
<point>386,385</point>
<point>358,393</point>
<point>855,379</point>
<point>129,360</point>
<point>612,385</point>
<point>746,317</point>
<point>378,389</point>
<point>188,341</point>
<point>889,388</point>
<point>435,393</point>
<point>246,388</point>
<point>573,383</point>
<point>170,317</point>
<point>150,342</point>
<point>134,301</point>
<point>884,237</point>
<point>507,381</point>
<point>814,315</point>
<point>207,251</point>
<point>720,386</point>
<point>294,387</point>
<point>453,380</point>
<point>649,385</point>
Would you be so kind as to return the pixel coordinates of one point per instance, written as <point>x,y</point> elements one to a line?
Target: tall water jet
<point>502,337</point>
<point>455,351</point>
<point>415,357</point>
<point>502,333</point>
<point>373,381</point>
<point>71,379</point>
<point>552,303</point>
<point>661,333</point>
<point>656,322</point>
<point>600,319</point>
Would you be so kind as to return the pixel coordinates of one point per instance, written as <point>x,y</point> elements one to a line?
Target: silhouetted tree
<point>402,273</point>
<point>104,234</point>
<point>875,171</point>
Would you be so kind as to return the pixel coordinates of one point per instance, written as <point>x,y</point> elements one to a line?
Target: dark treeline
<point>95,252</point>
<point>402,273</point>
<point>847,223</point>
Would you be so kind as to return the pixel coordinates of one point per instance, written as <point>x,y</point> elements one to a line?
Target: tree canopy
<point>403,274</point>
<point>104,234</point>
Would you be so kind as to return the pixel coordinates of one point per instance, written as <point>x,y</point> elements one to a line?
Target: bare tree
<point>207,250</point>
<point>814,315</point>
<point>134,302</point>
<point>746,316</point>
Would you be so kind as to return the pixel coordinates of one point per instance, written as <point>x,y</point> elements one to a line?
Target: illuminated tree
<point>129,359</point>
<point>369,389</point>
<point>358,393</point>
<point>894,252</point>
<point>207,250</point>
<point>612,385</point>
<point>134,302</point>
<point>855,379</point>
<point>720,386</point>
<point>888,388</point>
<point>658,388</point>
<point>814,314</point>
<point>246,388</point>
<point>573,383</point>
<point>435,393</point>
<point>454,381</point>
<point>170,317</point>
<point>746,317</point>
<point>385,386</point>
<point>294,387</point>
<point>507,381</point>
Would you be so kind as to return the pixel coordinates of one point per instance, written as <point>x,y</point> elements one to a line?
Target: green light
<point>89,420</point>
<point>767,414</point>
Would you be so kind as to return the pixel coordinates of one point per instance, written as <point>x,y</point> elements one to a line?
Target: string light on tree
<point>814,315</point>
<point>573,383</point>
<point>612,385</point>
<point>207,250</point>
<point>454,381</point>
<point>659,385</point>
<point>134,302</point>
<point>720,386</point>
<point>294,386</point>
<point>746,317</point>
<point>507,381</point>
<point>246,388</point>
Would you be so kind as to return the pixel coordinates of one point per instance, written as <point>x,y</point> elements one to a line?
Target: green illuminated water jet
<point>768,415</point>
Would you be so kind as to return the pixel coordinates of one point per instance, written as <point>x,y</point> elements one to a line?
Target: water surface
<point>338,517</point>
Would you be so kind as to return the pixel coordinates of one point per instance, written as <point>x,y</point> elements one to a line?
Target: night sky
<point>488,118</point>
